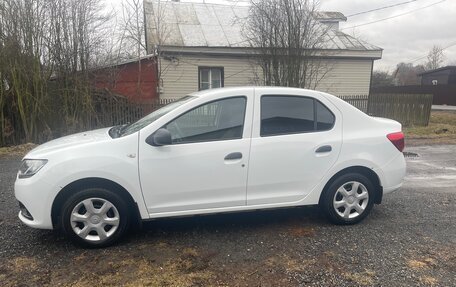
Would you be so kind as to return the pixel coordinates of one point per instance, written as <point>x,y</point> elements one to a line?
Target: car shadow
<point>190,227</point>
<point>226,222</point>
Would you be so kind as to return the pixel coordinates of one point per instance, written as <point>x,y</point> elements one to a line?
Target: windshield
<point>155,115</point>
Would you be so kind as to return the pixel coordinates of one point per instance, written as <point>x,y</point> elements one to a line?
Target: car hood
<point>70,141</point>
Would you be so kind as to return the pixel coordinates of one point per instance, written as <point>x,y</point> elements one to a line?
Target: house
<point>135,80</point>
<point>202,46</point>
<point>441,76</point>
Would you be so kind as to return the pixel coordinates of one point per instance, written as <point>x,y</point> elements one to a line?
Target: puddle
<point>410,154</point>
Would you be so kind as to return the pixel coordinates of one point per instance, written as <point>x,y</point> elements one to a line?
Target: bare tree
<point>46,50</point>
<point>382,79</point>
<point>287,39</point>
<point>132,27</point>
<point>407,74</point>
<point>435,58</point>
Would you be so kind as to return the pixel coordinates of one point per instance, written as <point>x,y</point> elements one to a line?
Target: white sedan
<point>221,150</point>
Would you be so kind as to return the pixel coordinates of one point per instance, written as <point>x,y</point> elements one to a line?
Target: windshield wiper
<point>122,128</point>
<point>116,131</point>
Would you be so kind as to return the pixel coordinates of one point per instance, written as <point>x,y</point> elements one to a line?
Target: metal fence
<point>111,112</point>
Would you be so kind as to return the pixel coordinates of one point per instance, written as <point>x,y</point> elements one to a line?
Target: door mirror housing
<point>160,138</point>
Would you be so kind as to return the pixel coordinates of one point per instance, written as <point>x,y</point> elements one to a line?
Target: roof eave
<point>246,51</point>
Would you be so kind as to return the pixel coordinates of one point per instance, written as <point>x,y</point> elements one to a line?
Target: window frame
<point>222,75</point>
<point>206,103</point>
<point>314,104</point>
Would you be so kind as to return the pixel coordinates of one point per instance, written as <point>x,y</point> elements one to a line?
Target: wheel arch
<point>367,172</point>
<point>92,182</point>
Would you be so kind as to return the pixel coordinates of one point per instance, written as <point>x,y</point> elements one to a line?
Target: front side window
<point>155,115</point>
<point>281,115</point>
<point>210,78</point>
<point>214,121</point>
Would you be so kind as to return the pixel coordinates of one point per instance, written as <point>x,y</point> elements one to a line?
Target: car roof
<point>209,92</point>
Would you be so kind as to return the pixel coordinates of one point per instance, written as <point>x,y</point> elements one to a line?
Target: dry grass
<point>421,263</point>
<point>19,150</point>
<point>365,278</point>
<point>428,280</point>
<point>24,263</point>
<point>441,129</point>
<point>302,231</point>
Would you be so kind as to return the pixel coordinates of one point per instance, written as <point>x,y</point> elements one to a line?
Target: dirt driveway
<point>408,240</point>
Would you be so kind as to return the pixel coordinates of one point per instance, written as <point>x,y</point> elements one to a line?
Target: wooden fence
<point>443,94</point>
<point>408,109</point>
<point>358,101</point>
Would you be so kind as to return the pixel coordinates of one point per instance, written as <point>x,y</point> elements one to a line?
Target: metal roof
<point>330,16</point>
<point>186,24</point>
<point>451,68</point>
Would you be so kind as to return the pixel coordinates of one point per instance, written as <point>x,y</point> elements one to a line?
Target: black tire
<point>120,211</point>
<point>328,197</point>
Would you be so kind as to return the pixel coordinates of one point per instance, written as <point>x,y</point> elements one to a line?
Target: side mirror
<point>160,138</point>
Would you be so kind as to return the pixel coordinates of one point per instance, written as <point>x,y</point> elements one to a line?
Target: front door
<point>205,167</point>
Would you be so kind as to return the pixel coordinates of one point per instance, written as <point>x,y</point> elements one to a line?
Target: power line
<point>395,16</point>
<point>444,48</point>
<point>382,8</point>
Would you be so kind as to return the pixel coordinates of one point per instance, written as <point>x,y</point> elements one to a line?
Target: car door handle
<point>324,148</point>
<point>233,155</point>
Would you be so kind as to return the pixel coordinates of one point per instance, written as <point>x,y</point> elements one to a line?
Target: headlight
<point>30,166</point>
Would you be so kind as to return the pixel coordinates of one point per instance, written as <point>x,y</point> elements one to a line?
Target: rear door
<point>296,139</point>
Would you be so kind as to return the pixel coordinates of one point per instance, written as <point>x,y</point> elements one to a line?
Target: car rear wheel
<point>95,217</point>
<point>349,199</point>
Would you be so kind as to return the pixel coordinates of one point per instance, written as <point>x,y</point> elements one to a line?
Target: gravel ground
<point>409,240</point>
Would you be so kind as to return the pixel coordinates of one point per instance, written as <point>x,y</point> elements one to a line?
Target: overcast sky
<point>404,38</point>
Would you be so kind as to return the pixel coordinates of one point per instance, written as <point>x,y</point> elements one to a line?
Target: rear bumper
<point>392,188</point>
<point>392,174</point>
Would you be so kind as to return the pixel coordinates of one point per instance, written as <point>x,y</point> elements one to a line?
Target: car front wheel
<point>95,217</point>
<point>349,199</point>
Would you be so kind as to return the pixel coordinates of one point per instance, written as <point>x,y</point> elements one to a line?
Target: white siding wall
<point>180,77</point>
<point>347,77</point>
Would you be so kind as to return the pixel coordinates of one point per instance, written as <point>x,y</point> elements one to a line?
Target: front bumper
<point>33,194</point>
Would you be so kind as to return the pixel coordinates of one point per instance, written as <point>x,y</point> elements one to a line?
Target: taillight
<point>397,139</point>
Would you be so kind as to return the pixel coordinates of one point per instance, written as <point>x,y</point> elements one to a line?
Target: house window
<point>210,77</point>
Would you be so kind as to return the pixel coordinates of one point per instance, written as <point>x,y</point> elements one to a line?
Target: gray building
<point>441,76</point>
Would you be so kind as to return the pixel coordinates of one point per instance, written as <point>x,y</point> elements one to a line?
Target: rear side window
<point>325,118</point>
<point>281,115</point>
